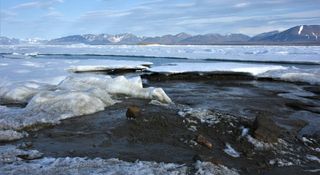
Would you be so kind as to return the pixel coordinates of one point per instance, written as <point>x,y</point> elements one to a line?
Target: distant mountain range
<point>304,34</point>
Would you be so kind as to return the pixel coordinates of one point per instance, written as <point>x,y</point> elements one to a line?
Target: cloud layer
<point>54,18</point>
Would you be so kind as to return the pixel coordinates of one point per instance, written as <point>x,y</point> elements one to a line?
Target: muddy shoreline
<point>163,134</point>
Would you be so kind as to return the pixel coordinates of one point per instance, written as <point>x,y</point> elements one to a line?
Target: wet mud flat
<point>255,126</point>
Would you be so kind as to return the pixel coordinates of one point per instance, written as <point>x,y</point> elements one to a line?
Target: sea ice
<point>52,71</point>
<point>292,54</point>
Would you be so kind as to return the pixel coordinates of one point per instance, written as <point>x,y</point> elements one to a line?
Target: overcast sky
<point>55,18</point>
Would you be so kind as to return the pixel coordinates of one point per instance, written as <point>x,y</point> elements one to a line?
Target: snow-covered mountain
<point>166,39</point>
<point>216,39</point>
<point>304,34</point>
<point>263,35</point>
<point>98,39</point>
<point>8,41</point>
<point>297,34</point>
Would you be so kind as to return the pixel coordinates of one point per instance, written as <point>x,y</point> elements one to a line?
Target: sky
<point>47,19</point>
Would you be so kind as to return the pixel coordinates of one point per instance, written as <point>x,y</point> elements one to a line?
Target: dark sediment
<point>160,134</point>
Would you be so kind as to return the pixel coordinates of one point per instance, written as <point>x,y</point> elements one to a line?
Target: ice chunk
<point>88,68</point>
<point>75,96</point>
<point>231,151</point>
<point>53,106</point>
<point>9,135</point>
<point>20,92</point>
<point>302,77</point>
<point>253,69</point>
<point>293,74</point>
<point>313,158</point>
<point>9,154</point>
<point>65,104</point>
<point>118,85</point>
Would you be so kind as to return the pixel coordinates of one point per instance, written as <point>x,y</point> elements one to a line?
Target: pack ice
<point>75,96</point>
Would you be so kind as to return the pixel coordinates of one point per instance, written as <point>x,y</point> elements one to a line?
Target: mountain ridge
<point>303,34</point>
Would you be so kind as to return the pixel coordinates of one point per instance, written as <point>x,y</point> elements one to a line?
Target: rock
<point>133,112</point>
<point>204,141</point>
<point>265,129</point>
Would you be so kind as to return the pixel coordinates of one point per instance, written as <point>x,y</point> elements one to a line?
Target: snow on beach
<point>82,165</point>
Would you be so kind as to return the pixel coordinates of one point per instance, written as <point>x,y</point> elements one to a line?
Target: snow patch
<point>206,168</point>
<point>300,30</point>
<point>204,115</point>
<point>313,158</point>
<point>280,162</point>
<point>10,135</point>
<point>10,154</point>
<point>12,163</point>
<point>259,145</point>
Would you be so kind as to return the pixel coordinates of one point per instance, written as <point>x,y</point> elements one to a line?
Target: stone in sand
<point>204,141</point>
<point>265,129</point>
<point>133,112</point>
